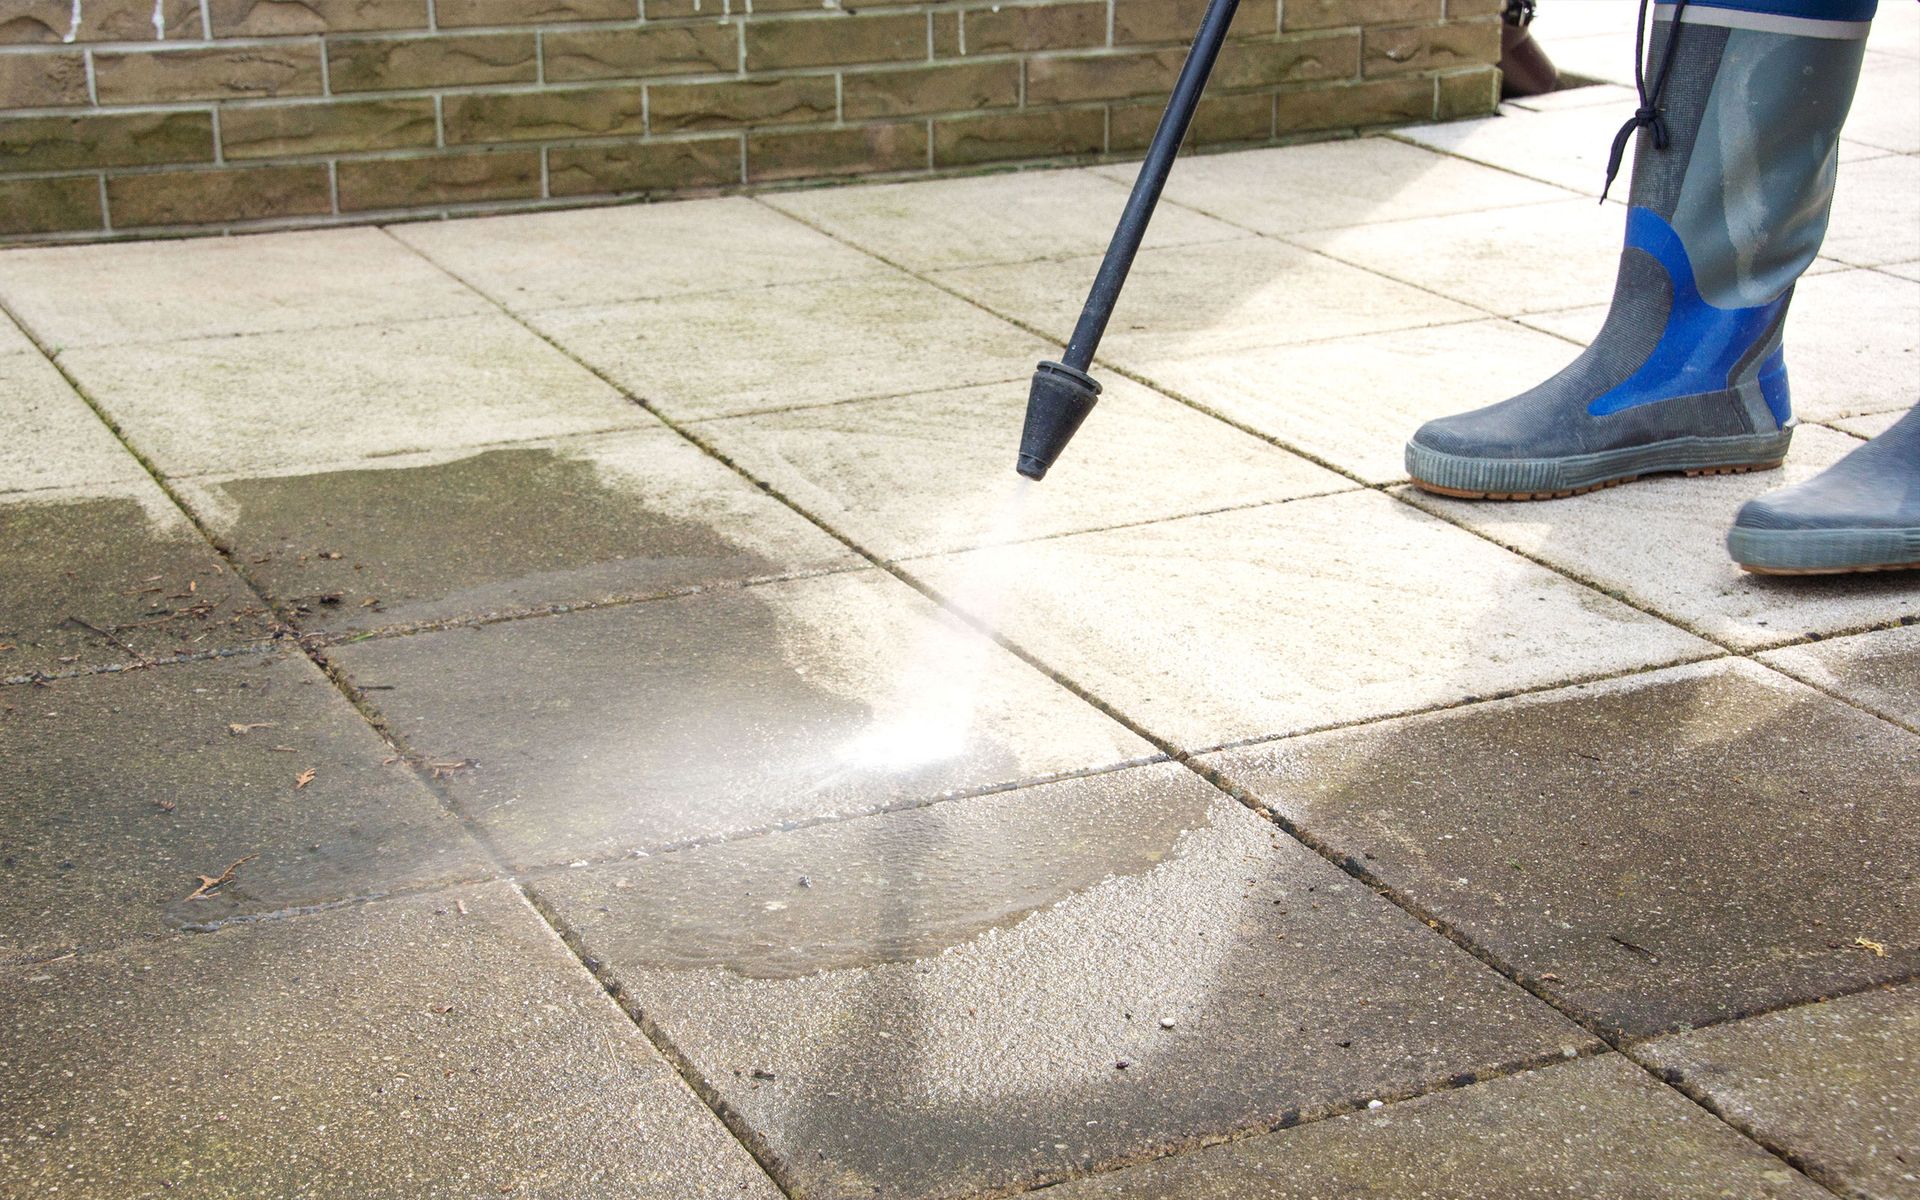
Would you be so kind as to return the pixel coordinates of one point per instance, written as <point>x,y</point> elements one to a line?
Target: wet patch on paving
<point>1003,991</point>
<point>601,733</point>
<point>247,780</point>
<point>1878,671</point>
<point>1670,850</point>
<point>444,1045</point>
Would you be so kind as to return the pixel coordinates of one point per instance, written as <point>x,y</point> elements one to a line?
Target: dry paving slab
<point>1597,1128</point>
<point>1656,852</point>
<point>120,793</point>
<point>603,733</point>
<point>1834,1087</point>
<point>1003,991</point>
<point>442,1046</point>
<point>934,473</point>
<point>53,439</point>
<point>1876,211</point>
<point>466,534</point>
<point>1217,629</point>
<point>1877,671</point>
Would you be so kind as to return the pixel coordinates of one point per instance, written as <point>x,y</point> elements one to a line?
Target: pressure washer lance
<point>1063,393</point>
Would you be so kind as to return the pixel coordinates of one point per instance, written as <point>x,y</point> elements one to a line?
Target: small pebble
<point>1376,1104</point>
<point>1166,1022</point>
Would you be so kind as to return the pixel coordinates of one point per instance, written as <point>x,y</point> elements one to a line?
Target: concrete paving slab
<point>1354,402</point>
<point>1896,30</point>
<point>1654,852</point>
<point>1509,261</point>
<point>602,733</point>
<point>1598,1128</point>
<point>464,534</point>
<point>1886,104</point>
<point>166,291</point>
<point>1876,212</point>
<point>1561,21</point>
<point>53,439</point>
<point>1869,426</point>
<point>1326,185</point>
<point>532,261</point>
<point>1852,342</point>
<point>123,790</point>
<point>1875,670</point>
<point>1834,1086</point>
<point>1599,58</point>
<point>930,474</point>
<point>1210,299</point>
<point>1004,218</point>
<point>1298,616</point>
<point>443,1045</point>
<point>110,575</point>
<point>1579,96</point>
<point>1676,562</point>
<point>1906,270</point>
<point>999,992</point>
<point>811,343</point>
<point>13,340</point>
<point>222,406</point>
<point>1566,145</point>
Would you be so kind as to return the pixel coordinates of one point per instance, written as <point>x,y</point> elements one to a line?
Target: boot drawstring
<point>1649,115</point>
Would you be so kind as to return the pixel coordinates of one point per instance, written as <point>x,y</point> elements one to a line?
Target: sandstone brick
<point>100,21</point>
<point>1219,120</point>
<point>387,64</point>
<point>1467,94</point>
<point>1329,14</point>
<point>52,79</point>
<point>1464,10</point>
<point>1018,29</point>
<point>538,116</point>
<point>233,194</point>
<point>49,205</point>
<point>441,179</point>
<point>1145,22</point>
<point>1067,79</point>
<point>747,102</point>
<point>1294,59</point>
<point>913,90</point>
<point>221,73</point>
<point>1405,50</point>
<point>584,54</point>
<point>630,167</point>
<point>105,140</point>
<point>835,40</point>
<point>456,13</point>
<point>1354,105</point>
<point>326,127</point>
<point>1055,133</point>
<point>818,153</point>
<point>277,18</point>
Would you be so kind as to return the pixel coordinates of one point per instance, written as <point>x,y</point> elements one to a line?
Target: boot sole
<point>1824,551</point>
<point>1464,478</point>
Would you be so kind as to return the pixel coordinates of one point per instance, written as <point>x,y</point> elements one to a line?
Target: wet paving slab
<point>445,1045</point>
<point>1877,671</point>
<point>468,534</point>
<point>603,733</point>
<point>1008,990</point>
<point>121,794</point>
<point>1833,1087</point>
<point>1670,850</point>
<point>1598,1128</point>
<point>933,473</point>
<point>1217,629</point>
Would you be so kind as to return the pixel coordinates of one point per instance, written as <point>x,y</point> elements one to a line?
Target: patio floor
<point>577,704</point>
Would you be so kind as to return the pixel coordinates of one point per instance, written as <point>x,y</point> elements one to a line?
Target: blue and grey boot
<point>1860,514</point>
<point>1739,130</point>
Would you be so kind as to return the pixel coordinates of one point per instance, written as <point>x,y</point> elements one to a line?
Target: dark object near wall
<point>1525,69</point>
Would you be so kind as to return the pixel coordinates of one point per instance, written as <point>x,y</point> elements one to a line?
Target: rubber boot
<point>1733,177</point>
<point>1860,514</point>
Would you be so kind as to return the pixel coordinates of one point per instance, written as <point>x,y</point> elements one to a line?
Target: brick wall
<point>121,116</point>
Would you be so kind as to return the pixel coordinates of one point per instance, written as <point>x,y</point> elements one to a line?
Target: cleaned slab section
<point>999,992</point>
<point>1833,1085</point>
<point>460,534</point>
<point>1876,212</point>
<point>53,439</point>
<point>606,255</point>
<point>1877,671</point>
<point>318,396</point>
<point>1660,851</point>
<point>1209,299</point>
<point>1598,1128</point>
<point>1676,560</point>
<point>1325,185</point>
<point>944,223</point>
<point>443,1045</point>
<point>13,340</point>
<point>1354,402</point>
<point>1885,113</point>
<point>652,724</point>
<point>780,347</point>
<point>121,791</point>
<point>934,473</point>
<point>110,575</point>
<point>164,291</point>
<point>1297,616</point>
<point>1507,261</point>
<point>1567,146</point>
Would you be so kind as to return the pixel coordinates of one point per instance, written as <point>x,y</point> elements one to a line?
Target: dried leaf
<point>443,1009</point>
<point>209,882</point>
<point>239,730</point>
<point>462,906</point>
<point>165,806</point>
<point>304,778</point>
<point>1877,949</point>
<point>443,770</point>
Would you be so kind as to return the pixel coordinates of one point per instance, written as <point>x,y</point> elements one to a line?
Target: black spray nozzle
<point>1060,400</point>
